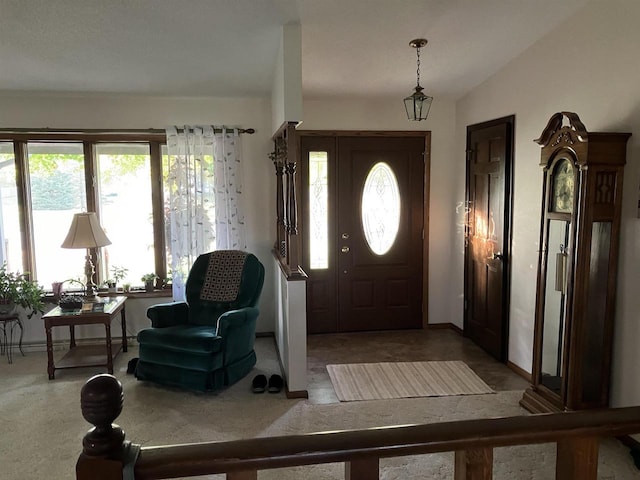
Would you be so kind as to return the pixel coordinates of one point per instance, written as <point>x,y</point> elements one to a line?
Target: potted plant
<point>17,290</point>
<point>149,280</point>
<point>118,274</point>
<point>110,283</point>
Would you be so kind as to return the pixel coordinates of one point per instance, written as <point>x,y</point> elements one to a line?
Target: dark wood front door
<point>370,275</point>
<point>487,245</point>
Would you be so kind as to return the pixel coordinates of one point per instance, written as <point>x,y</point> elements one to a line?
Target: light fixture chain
<point>418,63</point>
<point>417,104</point>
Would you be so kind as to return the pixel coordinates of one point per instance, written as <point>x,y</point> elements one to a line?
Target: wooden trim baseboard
<point>291,394</point>
<point>442,326</point>
<point>523,373</point>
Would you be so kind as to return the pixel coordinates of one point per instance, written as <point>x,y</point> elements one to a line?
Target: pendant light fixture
<point>418,104</point>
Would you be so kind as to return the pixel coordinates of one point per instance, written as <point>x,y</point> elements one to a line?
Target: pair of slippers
<point>260,384</point>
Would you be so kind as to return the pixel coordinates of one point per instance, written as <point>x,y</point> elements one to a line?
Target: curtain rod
<point>96,131</point>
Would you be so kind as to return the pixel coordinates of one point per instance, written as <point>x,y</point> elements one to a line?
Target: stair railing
<point>108,456</point>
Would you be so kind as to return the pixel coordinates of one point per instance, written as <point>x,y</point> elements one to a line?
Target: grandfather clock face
<point>563,187</point>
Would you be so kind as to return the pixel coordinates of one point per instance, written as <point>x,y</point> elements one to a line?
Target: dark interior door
<point>488,231</point>
<point>371,278</point>
<point>380,220</point>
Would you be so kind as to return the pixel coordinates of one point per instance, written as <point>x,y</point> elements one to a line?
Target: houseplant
<point>17,290</point>
<point>118,274</point>
<point>149,280</point>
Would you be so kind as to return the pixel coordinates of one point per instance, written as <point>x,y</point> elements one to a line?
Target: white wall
<point>588,66</point>
<point>291,328</point>
<point>389,114</point>
<point>286,92</point>
<point>104,112</point>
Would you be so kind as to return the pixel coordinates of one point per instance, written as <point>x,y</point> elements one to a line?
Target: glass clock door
<point>553,328</point>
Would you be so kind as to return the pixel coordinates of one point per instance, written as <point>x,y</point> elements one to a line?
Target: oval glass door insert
<point>380,209</point>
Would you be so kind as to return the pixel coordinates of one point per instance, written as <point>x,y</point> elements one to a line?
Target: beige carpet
<point>377,381</point>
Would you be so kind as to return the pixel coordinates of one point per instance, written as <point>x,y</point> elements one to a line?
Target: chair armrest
<point>241,318</point>
<point>168,314</point>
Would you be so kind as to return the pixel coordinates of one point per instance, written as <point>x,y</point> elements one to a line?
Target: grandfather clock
<point>577,266</point>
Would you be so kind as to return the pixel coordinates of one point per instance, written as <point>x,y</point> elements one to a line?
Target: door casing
<point>426,158</point>
<point>507,219</point>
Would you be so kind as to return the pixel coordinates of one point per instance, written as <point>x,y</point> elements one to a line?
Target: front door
<point>489,157</point>
<point>362,231</point>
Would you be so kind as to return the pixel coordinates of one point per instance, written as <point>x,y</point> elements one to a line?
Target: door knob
<point>345,249</point>
<point>498,256</point>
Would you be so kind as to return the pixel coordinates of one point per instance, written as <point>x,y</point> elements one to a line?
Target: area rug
<point>375,381</point>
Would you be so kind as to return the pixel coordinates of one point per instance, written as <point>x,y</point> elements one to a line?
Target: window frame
<point>155,139</point>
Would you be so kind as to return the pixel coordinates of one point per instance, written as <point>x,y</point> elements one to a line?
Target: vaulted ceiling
<point>228,47</point>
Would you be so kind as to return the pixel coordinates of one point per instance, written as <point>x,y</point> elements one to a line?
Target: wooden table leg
<point>124,330</point>
<point>107,328</point>
<point>72,336</point>
<point>50,366</point>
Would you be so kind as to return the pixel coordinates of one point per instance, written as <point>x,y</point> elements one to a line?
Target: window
<point>380,208</point>
<point>10,243</point>
<point>45,178</point>
<point>318,210</point>
<point>126,211</point>
<point>56,181</point>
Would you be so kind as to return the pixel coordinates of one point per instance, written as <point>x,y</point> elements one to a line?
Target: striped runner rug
<point>374,381</point>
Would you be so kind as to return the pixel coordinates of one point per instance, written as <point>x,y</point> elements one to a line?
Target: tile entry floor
<point>400,346</point>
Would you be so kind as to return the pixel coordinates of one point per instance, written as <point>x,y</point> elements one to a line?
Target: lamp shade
<point>85,232</point>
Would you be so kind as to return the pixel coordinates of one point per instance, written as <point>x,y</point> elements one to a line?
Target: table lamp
<point>86,232</point>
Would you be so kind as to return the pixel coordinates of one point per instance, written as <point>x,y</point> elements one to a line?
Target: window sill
<point>48,296</point>
<point>138,293</point>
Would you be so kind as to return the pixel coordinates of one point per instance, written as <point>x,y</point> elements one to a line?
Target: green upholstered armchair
<point>206,342</point>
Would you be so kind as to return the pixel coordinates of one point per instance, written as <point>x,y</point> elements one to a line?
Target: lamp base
<point>90,289</point>
<point>91,299</point>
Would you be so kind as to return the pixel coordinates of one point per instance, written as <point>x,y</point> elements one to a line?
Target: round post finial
<point>101,400</point>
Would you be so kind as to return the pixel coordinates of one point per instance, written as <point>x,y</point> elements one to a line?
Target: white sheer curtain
<point>205,189</point>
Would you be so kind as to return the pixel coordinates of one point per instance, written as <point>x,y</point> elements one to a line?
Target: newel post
<point>105,453</point>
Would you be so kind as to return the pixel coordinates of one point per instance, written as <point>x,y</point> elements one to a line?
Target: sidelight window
<point>318,210</point>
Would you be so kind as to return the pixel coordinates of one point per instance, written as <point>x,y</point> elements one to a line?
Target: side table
<point>101,355</point>
<point>10,322</point>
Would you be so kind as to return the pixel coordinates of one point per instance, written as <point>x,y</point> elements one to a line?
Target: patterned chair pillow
<point>223,275</point>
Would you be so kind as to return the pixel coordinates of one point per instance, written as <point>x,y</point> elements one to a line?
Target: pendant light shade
<point>418,104</point>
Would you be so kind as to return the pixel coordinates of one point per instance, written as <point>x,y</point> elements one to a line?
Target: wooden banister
<point>576,433</point>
